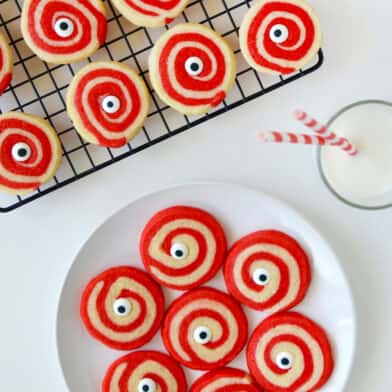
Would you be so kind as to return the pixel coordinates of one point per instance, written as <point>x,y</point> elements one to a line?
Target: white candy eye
<point>21,152</point>
<point>284,360</point>
<point>279,33</point>
<point>202,335</point>
<point>260,276</point>
<point>179,251</point>
<point>146,385</point>
<point>122,307</point>
<point>111,104</point>
<point>64,27</point>
<point>194,66</point>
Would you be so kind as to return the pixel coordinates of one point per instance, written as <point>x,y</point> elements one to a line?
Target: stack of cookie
<point>191,68</point>
<point>183,248</point>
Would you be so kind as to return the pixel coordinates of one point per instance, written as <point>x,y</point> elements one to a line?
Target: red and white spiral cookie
<point>63,31</point>
<point>145,371</point>
<point>6,64</point>
<point>150,13</point>
<point>205,329</point>
<point>280,36</point>
<point>268,270</point>
<point>183,247</point>
<point>122,307</point>
<point>108,103</point>
<point>288,352</point>
<point>30,152</point>
<point>192,68</point>
<point>225,380</point>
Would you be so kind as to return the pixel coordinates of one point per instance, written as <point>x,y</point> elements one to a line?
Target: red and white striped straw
<point>288,137</point>
<point>331,137</point>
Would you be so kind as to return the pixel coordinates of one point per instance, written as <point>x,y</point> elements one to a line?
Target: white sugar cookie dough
<point>145,371</point>
<point>6,63</point>
<point>108,103</point>
<point>280,37</point>
<point>150,13</point>
<point>65,31</point>
<point>192,68</point>
<point>30,152</point>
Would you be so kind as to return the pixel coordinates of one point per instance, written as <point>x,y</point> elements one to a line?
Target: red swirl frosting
<point>205,329</point>
<point>63,31</point>
<point>280,36</point>
<point>225,380</point>
<point>268,270</point>
<point>288,352</point>
<point>30,152</point>
<point>145,371</point>
<point>192,68</point>
<point>6,64</point>
<point>108,103</point>
<point>183,247</point>
<point>122,307</point>
<point>151,13</point>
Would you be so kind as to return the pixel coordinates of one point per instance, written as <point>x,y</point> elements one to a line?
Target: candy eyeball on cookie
<point>284,360</point>
<point>111,104</point>
<point>179,251</point>
<point>64,27</point>
<point>21,152</point>
<point>260,276</point>
<point>202,335</point>
<point>146,385</point>
<point>122,307</point>
<point>194,66</point>
<point>279,33</point>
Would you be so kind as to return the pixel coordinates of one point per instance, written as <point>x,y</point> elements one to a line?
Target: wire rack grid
<point>39,88</point>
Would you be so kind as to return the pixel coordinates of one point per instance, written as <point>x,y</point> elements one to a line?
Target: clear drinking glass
<point>365,180</point>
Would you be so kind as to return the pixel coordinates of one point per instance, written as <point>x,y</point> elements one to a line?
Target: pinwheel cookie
<point>150,13</point>
<point>108,103</point>
<point>30,152</point>
<point>280,36</point>
<point>145,371</point>
<point>6,63</point>
<point>122,307</point>
<point>63,31</point>
<point>205,329</point>
<point>268,270</point>
<point>225,379</point>
<point>183,247</point>
<point>192,68</point>
<point>288,352</point>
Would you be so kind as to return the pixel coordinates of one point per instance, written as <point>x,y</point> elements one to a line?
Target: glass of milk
<point>365,180</point>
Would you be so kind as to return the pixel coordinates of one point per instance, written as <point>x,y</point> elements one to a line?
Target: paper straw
<point>331,137</point>
<point>288,137</point>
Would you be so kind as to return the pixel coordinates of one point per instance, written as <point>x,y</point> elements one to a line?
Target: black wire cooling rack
<point>39,88</point>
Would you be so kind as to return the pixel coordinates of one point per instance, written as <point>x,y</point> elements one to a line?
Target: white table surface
<point>40,240</point>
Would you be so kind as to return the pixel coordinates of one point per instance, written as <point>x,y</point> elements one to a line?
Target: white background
<point>39,241</point>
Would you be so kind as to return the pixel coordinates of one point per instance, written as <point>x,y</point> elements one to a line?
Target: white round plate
<point>240,210</point>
